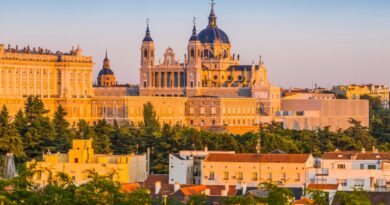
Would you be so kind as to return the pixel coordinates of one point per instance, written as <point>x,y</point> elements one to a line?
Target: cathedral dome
<point>106,76</point>
<point>212,33</point>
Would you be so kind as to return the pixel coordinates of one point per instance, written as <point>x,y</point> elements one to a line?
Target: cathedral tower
<point>147,63</point>
<point>194,65</point>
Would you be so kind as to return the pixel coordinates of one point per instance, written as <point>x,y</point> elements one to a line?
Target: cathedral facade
<point>209,89</point>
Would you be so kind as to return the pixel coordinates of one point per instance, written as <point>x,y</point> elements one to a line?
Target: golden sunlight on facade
<point>81,159</point>
<point>210,89</point>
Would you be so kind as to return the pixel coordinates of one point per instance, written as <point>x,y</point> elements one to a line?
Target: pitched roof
<point>357,155</point>
<point>129,187</point>
<point>189,191</point>
<point>253,158</point>
<point>153,178</point>
<point>303,201</point>
<point>322,186</point>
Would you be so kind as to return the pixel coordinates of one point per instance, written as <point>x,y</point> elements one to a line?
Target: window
<point>341,166</point>
<point>343,182</point>
<point>76,160</point>
<point>226,176</point>
<point>254,176</point>
<point>211,175</point>
<point>361,166</point>
<point>371,166</point>
<point>240,176</point>
<point>284,176</point>
<point>297,177</point>
<point>269,177</point>
<point>73,178</point>
<point>358,183</point>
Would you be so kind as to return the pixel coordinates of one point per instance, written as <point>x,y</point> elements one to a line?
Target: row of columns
<point>168,79</point>
<point>42,76</point>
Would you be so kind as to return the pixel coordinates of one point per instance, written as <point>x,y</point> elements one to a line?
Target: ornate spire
<point>147,34</point>
<point>106,62</point>
<point>212,16</point>
<point>194,36</point>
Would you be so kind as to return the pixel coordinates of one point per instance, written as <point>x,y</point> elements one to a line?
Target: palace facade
<point>210,89</point>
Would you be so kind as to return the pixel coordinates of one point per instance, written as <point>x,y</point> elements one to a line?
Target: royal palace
<point>209,89</point>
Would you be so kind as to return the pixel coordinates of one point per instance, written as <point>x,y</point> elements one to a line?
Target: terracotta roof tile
<point>266,158</point>
<point>304,201</point>
<point>322,186</point>
<point>129,187</point>
<point>357,155</point>
<point>153,178</point>
<point>189,191</point>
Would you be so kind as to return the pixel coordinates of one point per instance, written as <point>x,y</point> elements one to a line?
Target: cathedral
<point>209,89</point>
<point>209,68</point>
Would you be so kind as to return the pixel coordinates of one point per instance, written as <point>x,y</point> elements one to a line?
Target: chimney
<point>227,186</point>
<point>176,186</point>
<point>157,187</point>
<point>363,150</point>
<point>207,192</point>
<point>224,192</point>
<point>238,186</point>
<point>244,188</point>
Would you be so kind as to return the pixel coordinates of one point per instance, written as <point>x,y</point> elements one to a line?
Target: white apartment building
<point>350,169</point>
<point>185,166</point>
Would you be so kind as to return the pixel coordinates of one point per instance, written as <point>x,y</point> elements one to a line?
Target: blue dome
<point>212,34</point>
<point>105,71</point>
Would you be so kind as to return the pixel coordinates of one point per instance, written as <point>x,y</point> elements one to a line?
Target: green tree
<point>320,197</point>
<point>277,195</point>
<point>84,130</point>
<point>197,199</point>
<point>63,133</point>
<point>356,197</point>
<point>10,140</point>
<point>38,134</point>
<point>101,141</point>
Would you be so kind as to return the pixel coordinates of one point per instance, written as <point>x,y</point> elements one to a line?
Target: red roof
<point>322,186</point>
<point>267,158</point>
<point>197,189</point>
<point>153,178</point>
<point>129,187</point>
<point>357,155</point>
<point>304,201</point>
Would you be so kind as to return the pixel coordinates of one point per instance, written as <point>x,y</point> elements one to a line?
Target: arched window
<point>225,54</point>
<point>192,53</point>
<point>145,53</point>
<point>207,53</point>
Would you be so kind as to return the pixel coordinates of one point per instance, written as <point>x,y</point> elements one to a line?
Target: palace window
<point>341,166</point>
<point>211,175</point>
<point>226,176</point>
<point>240,176</point>
<point>254,176</point>
<point>269,177</point>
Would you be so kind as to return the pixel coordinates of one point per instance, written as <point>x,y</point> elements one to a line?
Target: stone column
<point>41,86</point>
<point>1,87</point>
<point>83,79</point>
<point>48,83</point>
<point>20,82</point>
<point>35,81</point>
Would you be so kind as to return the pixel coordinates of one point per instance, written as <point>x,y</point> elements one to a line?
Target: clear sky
<point>302,41</point>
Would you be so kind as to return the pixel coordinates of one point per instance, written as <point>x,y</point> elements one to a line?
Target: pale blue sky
<point>302,41</point>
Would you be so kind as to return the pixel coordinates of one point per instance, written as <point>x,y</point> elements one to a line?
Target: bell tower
<point>147,63</point>
<point>194,64</point>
